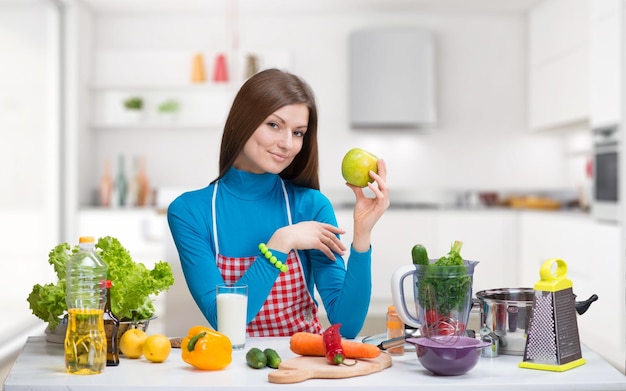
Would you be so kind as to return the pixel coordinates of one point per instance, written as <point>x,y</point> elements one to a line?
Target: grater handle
<point>547,274</point>
<point>553,278</point>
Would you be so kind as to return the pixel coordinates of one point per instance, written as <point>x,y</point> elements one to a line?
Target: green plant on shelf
<point>133,103</point>
<point>169,107</point>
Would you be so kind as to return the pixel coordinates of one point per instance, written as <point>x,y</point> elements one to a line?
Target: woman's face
<point>276,142</point>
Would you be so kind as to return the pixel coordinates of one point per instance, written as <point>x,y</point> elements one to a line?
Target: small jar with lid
<point>395,329</point>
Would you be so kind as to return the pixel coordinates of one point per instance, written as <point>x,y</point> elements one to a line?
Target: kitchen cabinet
<point>591,250</point>
<point>558,66</point>
<point>398,62</point>
<point>605,51</point>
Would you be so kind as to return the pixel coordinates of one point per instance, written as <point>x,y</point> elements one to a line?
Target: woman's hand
<point>367,211</point>
<point>308,235</point>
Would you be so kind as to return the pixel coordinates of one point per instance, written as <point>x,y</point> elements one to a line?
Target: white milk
<point>231,317</point>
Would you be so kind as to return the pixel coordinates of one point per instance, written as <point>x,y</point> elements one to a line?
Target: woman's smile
<point>280,157</point>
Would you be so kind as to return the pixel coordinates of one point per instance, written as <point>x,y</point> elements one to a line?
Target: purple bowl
<point>448,355</point>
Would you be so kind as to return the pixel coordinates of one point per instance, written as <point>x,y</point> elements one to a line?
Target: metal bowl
<point>446,355</point>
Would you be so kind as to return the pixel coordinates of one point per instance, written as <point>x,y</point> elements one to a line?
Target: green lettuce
<point>133,284</point>
<point>445,284</point>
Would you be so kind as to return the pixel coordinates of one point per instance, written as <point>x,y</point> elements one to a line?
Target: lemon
<point>157,348</point>
<point>131,343</point>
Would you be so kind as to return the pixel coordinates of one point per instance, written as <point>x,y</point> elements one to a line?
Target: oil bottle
<point>85,340</point>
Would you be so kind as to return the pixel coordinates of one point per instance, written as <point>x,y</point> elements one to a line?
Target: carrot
<point>310,344</point>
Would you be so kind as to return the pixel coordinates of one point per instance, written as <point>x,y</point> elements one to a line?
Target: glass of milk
<point>232,309</point>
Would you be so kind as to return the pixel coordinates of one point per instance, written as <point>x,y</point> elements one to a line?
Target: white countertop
<point>40,366</point>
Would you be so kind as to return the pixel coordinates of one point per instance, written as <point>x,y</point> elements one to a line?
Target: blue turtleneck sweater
<point>250,208</point>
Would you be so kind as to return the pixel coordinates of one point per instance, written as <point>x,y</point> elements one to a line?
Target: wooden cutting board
<point>305,367</point>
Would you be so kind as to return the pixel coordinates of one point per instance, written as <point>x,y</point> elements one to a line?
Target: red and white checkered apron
<point>289,308</point>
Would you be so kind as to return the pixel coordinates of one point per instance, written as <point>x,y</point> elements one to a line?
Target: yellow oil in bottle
<point>85,342</point>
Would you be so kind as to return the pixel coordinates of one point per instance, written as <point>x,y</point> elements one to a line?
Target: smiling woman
<point>267,224</point>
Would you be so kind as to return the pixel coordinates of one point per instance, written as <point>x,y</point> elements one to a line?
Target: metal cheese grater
<point>553,343</point>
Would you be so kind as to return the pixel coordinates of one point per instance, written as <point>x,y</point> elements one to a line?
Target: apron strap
<point>286,201</point>
<point>217,248</point>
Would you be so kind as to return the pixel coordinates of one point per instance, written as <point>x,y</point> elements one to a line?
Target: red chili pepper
<point>332,345</point>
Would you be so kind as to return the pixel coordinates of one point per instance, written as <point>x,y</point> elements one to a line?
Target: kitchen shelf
<point>202,106</point>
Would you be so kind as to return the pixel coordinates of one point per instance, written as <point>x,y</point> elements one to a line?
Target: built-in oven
<point>606,173</point>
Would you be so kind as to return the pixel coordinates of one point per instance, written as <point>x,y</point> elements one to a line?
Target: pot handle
<point>397,294</point>
<point>583,306</point>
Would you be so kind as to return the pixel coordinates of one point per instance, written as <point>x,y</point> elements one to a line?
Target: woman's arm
<point>345,293</point>
<point>349,306</point>
<point>195,248</point>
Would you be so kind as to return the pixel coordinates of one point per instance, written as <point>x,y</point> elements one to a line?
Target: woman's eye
<point>298,133</point>
<point>272,125</point>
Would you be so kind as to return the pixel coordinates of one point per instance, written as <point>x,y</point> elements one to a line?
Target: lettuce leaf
<point>133,285</point>
<point>47,302</point>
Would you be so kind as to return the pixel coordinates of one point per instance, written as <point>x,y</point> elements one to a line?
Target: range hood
<point>392,78</point>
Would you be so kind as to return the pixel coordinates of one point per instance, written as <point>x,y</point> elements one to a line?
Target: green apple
<point>356,166</point>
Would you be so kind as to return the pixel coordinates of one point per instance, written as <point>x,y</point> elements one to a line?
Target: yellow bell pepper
<point>206,349</point>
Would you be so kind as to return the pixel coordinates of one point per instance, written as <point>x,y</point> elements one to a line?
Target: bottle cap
<point>391,308</point>
<point>106,284</point>
<point>86,239</point>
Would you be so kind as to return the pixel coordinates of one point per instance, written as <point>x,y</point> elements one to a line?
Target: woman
<point>267,198</point>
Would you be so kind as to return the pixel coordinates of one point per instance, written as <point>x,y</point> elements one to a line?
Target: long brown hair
<point>259,97</point>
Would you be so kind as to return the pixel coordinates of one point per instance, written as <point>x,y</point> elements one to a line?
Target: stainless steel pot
<point>506,312</point>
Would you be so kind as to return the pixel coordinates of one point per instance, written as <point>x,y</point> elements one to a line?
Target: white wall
<point>482,141</point>
<point>29,132</point>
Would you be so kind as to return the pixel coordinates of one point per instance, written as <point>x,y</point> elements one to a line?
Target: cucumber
<point>255,358</point>
<point>419,255</point>
<point>273,359</point>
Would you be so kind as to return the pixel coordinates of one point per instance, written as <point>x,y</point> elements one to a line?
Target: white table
<point>40,366</point>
